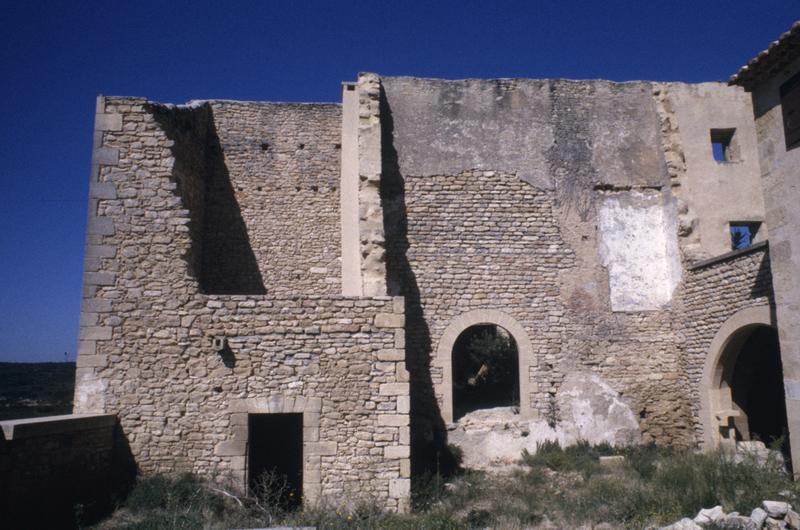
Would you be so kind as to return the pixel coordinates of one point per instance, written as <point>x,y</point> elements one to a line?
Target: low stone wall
<point>55,469</point>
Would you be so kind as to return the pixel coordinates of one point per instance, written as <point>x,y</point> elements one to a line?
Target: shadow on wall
<point>64,479</point>
<point>762,284</point>
<point>429,450</point>
<point>221,257</point>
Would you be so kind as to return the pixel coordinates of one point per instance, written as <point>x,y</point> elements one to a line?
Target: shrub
<point>654,486</point>
<point>582,457</point>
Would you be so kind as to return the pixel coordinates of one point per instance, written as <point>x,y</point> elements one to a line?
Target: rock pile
<point>771,515</point>
<point>589,410</point>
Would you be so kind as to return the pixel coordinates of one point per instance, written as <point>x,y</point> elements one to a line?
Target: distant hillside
<point>35,389</point>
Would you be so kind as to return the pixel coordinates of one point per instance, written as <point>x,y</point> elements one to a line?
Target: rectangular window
<point>790,108</point>
<point>723,145</point>
<point>743,234</point>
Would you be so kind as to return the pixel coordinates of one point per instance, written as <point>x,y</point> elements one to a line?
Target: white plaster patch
<point>90,393</point>
<point>638,245</point>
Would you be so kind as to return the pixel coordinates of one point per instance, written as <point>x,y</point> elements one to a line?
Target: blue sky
<point>55,57</point>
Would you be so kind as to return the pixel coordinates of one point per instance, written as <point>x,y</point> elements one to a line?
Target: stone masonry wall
<point>183,406</point>
<point>487,240</point>
<point>521,235</point>
<point>713,294</point>
<point>478,240</point>
<point>282,163</point>
<point>147,331</point>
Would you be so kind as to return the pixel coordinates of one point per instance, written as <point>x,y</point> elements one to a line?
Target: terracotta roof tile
<point>769,61</point>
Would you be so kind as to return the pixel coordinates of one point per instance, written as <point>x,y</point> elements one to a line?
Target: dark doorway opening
<point>756,381</point>
<point>485,370</point>
<point>275,458</point>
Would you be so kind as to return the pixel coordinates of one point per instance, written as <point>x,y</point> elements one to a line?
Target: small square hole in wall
<point>723,145</point>
<point>743,234</point>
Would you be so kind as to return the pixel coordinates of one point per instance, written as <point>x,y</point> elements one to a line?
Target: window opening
<point>723,145</point>
<point>743,234</point>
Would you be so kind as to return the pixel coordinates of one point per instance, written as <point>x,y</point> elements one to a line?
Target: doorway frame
<point>444,356</point>
<point>313,449</point>
<point>715,396</point>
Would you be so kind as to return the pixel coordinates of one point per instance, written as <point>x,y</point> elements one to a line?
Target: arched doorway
<point>485,369</point>
<point>752,373</point>
<point>447,343</point>
<point>745,393</point>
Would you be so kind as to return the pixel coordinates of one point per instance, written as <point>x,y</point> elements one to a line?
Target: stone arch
<point>715,394</point>
<point>444,353</point>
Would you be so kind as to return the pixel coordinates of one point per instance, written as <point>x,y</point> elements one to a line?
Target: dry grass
<point>568,488</point>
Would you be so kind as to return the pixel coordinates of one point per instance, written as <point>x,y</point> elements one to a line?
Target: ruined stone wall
<point>183,406</point>
<point>281,165</point>
<point>711,193</point>
<point>713,293</point>
<point>147,331</point>
<point>547,201</point>
<point>478,240</point>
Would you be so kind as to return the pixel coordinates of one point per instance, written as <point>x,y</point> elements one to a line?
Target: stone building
<point>271,284</point>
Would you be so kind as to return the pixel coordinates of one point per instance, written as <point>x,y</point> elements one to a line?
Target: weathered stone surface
<point>709,515</point>
<point>776,509</point>
<point>792,519</point>
<point>494,439</point>
<point>570,208</point>
<point>683,524</point>
<point>758,516</point>
<point>591,410</point>
<point>736,522</point>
